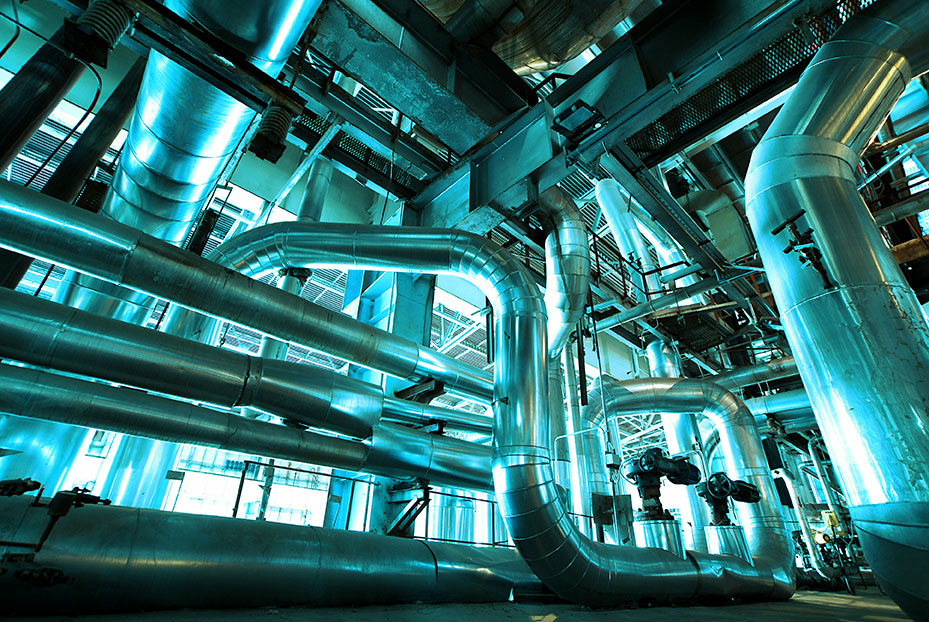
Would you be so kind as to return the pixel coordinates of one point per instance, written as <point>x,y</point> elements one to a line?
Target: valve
<point>718,489</point>
<point>62,503</point>
<point>646,471</point>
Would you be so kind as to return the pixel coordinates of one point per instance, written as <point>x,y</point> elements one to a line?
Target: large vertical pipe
<point>683,436</point>
<point>852,321</point>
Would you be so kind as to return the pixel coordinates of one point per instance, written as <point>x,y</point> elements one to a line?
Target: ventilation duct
<point>118,559</point>
<point>852,321</point>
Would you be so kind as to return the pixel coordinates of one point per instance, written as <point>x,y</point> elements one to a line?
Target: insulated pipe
<point>567,266</point>
<point>683,437</point>
<point>852,321</point>
<point>774,369</point>
<point>772,551</point>
<point>44,227</point>
<point>118,559</point>
<point>393,451</point>
<point>625,231</point>
<point>172,159</point>
<point>81,160</point>
<point>814,447</point>
<point>43,333</point>
<point>774,403</point>
<point>821,568</point>
<point>567,562</point>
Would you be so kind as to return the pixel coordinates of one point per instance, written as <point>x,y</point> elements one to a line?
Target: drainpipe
<point>118,559</point>
<point>852,321</point>
<point>392,451</point>
<point>36,225</point>
<point>683,437</point>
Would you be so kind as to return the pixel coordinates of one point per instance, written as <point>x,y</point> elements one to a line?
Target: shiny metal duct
<point>567,266</point>
<point>852,321</point>
<point>172,159</point>
<point>43,227</point>
<point>683,438</point>
<point>393,451</point>
<point>567,562</point>
<point>118,559</point>
<point>774,403</point>
<point>774,369</point>
<point>771,576</point>
<point>50,335</point>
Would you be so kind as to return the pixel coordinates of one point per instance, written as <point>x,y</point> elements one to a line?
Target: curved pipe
<point>567,266</point>
<point>393,451</point>
<point>814,447</point>
<point>852,320</point>
<point>120,560</point>
<point>567,562</point>
<point>570,564</point>
<point>771,575</point>
<point>40,226</point>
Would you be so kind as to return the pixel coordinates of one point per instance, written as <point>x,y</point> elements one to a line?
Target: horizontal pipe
<point>739,377</point>
<point>775,403</point>
<point>125,559</point>
<point>393,451</point>
<point>43,227</point>
<point>908,207</point>
<point>677,296</point>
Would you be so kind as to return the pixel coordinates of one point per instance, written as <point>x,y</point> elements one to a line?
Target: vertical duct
<point>851,319</point>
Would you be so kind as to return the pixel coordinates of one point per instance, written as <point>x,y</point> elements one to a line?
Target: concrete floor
<point>869,605</point>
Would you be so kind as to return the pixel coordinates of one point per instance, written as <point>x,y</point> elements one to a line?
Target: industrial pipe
<point>819,565</point>
<point>393,450</point>
<point>683,437</point>
<point>852,320</point>
<point>771,575</point>
<point>44,227</point>
<point>567,266</point>
<point>118,559</point>
<point>775,369</point>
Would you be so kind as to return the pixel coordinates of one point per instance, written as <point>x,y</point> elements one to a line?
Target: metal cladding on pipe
<point>68,178</point>
<point>172,159</point>
<point>683,437</point>
<point>567,266</point>
<point>774,369</point>
<point>50,229</point>
<point>852,321</point>
<point>822,569</point>
<point>43,333</point>
<point>50,335</point>
<point>567,562</point>
<point>773,403</point>
<point>393,451</point>
<point>118,559</point>
<point>771,575</point>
